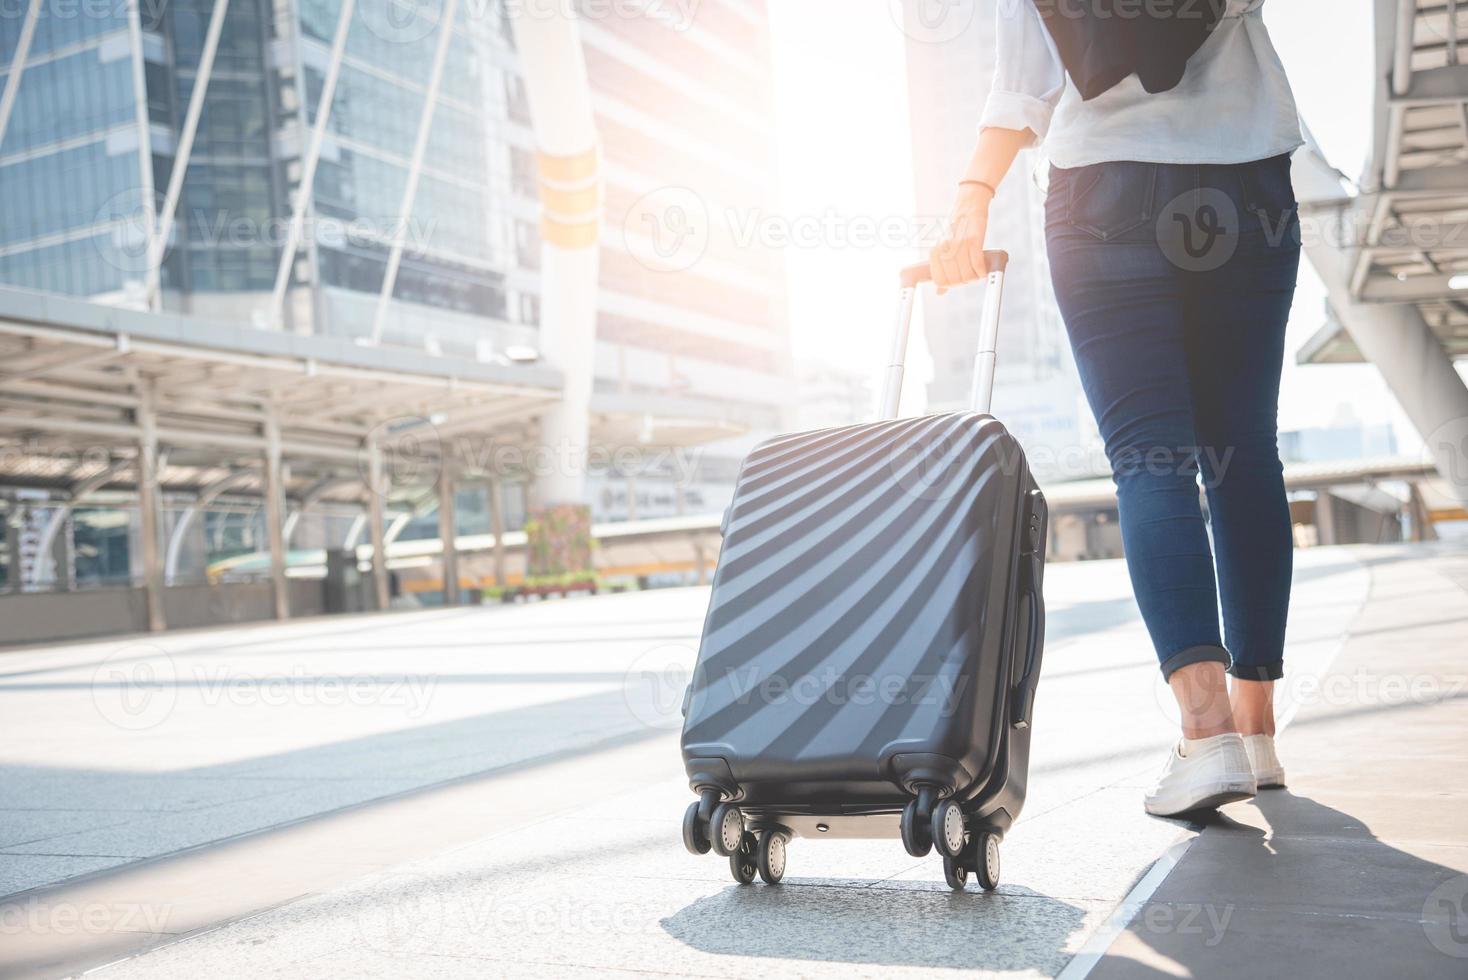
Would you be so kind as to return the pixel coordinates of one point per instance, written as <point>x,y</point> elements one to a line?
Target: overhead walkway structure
<point>1392,248</point>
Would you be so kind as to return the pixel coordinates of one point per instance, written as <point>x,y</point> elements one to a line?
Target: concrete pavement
<point>499,789</point>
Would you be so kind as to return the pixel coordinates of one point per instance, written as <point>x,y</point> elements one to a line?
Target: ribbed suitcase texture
<point>875,611</point>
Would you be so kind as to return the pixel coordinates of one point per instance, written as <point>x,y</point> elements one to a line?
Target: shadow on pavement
<point>1298,889</point>
<point>856,923</point>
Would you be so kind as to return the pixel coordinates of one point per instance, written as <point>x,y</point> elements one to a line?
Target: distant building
<point>1346,439</point>
<point>830,396</point>
<point>1037,392</point>
<point>683,107</point>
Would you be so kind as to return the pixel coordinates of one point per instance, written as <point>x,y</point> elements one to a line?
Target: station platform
<point>498,790</point>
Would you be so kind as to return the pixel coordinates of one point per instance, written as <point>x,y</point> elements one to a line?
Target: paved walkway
<point>1360,868</point>
<point>498,790</point>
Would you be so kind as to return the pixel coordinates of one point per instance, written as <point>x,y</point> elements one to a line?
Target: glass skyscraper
<point>681,102</point>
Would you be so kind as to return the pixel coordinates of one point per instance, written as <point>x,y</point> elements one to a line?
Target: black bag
<point>1102,42</point>
<point>874,635</point>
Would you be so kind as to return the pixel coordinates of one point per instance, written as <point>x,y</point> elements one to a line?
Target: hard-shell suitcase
<point>873,639</point>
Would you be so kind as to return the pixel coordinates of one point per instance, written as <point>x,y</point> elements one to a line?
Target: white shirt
<point>1233,104</point>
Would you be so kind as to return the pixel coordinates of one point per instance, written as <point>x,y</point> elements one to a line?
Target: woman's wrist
<point>975,184</point>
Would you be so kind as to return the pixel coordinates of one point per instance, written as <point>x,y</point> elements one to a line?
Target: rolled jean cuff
<point>1258,672</point>
<point>1195,655</point>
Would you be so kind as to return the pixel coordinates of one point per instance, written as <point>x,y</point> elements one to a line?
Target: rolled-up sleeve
<point>1028,75</point>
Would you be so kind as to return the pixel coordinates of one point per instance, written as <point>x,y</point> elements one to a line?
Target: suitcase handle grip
<point>914,275</point>
<point>982,396</point>
<point>1032,574</point>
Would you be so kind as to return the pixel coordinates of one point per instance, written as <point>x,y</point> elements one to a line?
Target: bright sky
<point>844,145</point>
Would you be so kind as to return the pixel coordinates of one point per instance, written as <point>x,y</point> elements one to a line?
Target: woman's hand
<point>959,258</point>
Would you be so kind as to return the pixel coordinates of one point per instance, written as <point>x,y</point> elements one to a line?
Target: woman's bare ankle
<point>1202,696</point>
<point>1252,704</point>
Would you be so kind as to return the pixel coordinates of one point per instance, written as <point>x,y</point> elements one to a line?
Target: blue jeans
<point>1175,283</point>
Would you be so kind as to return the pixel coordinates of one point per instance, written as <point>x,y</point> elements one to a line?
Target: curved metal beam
<point>45,569</point>
<point>206,497</point>
<point>310,499</point>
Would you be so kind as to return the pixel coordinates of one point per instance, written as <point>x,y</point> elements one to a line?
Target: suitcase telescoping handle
<point>982,397</point>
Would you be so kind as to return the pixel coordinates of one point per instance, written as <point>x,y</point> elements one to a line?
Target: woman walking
<point>1173,245</point>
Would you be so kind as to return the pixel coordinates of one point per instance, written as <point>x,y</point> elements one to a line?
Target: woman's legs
<point>1182,368</point>
<point>1237,316</point>
<point>1124,310</point>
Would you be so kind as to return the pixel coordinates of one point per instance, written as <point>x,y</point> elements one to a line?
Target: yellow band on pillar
<point>582,200</point>
<point>577,168</point>
<point>564,234</point>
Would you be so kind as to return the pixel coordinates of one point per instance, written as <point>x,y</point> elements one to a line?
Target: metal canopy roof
<point>1413,210</point>
<point>73,374</point>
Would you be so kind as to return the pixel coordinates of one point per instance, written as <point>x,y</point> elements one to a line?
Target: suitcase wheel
<point>948,830</point>
<point>955,872</point>
<point>695,835</point>
<point>743,861</point>
<point>771,856</point>
<point>726,829</point>
<point>917,828</point>
<point>984,856</point>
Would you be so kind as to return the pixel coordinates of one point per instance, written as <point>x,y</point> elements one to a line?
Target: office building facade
<point>450,224</point>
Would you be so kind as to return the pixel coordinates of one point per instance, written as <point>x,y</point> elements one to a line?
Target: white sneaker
<point>1268,772</point>
<point>1202,773</point>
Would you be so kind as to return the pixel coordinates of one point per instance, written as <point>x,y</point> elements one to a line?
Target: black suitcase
<point>869,657</point>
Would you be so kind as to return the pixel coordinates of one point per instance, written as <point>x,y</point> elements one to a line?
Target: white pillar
<point>150,507</point>
<point>377,489</point>
<point>570,195</point>
<point>275,518</point>
<point>448,537</point>
<point>497,527</point>
<point>1411,359</point>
